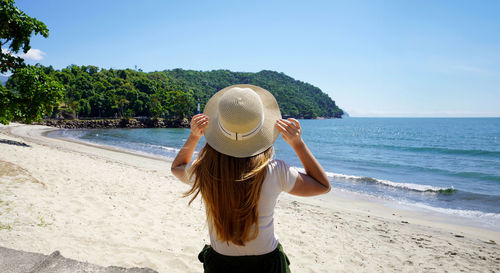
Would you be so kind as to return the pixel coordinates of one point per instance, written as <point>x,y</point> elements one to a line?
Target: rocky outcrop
<point>114,123</point>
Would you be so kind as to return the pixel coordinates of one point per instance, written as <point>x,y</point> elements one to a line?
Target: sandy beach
<point>110,207</point>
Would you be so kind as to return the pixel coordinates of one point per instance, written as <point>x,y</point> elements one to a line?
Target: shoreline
<point>105,123</point>
<point>104,147</point>
<point>137,122</point>
<point>98,185</point>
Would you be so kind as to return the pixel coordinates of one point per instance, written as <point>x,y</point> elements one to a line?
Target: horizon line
<point>363,116</point>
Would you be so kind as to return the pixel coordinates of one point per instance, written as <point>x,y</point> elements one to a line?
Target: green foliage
<point>5,102</point>
<point>180,104</point>
<point>16,29</point>
<point>172,94</point>
<point>295,98</point>
<point>31,94</point>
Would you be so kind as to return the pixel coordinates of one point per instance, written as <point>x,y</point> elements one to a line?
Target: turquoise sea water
<point>446,165</point>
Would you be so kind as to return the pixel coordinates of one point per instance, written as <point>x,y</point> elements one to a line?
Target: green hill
<point>295,98</point>
<point>94,92</point>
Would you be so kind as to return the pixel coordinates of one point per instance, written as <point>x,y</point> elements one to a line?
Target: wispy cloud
<point>33,54</point>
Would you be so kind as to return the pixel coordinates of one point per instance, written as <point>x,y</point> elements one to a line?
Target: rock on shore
<point>114,123</point>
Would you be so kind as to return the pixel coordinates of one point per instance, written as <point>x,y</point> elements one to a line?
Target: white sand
<point>114,208</point>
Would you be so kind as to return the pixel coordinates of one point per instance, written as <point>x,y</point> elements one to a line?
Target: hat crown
<point>240,110</point>
<point>243,122</point>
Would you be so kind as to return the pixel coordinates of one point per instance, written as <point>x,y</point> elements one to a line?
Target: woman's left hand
<point>290,131</point>
<point>198,123</point>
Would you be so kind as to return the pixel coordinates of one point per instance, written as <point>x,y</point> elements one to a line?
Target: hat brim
<point>258,143</point>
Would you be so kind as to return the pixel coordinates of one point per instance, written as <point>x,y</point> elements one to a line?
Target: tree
<point>180,104</point>
<point>120,103</point>
<point>84,108</point>
<point>156,107</point>
<point>16,29</point>
<point>31,95</point>
<point>5,113</point>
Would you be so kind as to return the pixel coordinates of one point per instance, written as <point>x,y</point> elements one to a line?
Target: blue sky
<point>374,58</point>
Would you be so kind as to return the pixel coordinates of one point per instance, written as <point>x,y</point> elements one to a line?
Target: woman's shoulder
<point>276,163</point>
<point>282,173</point>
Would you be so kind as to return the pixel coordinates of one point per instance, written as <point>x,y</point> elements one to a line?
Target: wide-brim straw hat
<point>241,120</point>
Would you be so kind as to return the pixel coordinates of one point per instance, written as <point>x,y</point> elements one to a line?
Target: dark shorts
<point>274,261</point>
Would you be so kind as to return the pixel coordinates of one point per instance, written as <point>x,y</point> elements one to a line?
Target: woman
<point>240,182</point>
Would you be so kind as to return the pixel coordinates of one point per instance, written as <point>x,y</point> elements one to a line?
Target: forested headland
<point>92,92</point>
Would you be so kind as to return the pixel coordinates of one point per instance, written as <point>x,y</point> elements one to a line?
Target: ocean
<point>445,166</point>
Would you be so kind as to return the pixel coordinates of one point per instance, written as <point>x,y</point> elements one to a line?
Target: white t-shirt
<point>280,177</point>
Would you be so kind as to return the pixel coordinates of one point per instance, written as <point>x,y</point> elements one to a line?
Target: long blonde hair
<point>230,188</point>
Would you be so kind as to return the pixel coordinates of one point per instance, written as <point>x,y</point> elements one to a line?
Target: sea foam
<point>388,183</point>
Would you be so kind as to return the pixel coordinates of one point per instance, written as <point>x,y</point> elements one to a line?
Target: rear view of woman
<point>239,181</point>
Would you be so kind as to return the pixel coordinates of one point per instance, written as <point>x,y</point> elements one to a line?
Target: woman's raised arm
<point>315,181</point>
<point>178,168</point>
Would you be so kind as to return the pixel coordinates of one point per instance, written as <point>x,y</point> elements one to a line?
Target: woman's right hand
<point>198,123</point>
<point>178,167</point>
<point>290,131</point>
